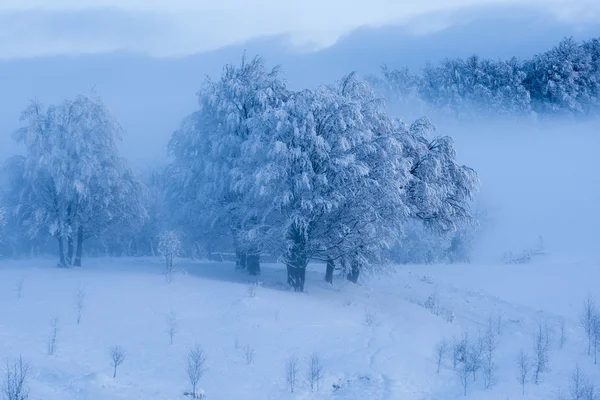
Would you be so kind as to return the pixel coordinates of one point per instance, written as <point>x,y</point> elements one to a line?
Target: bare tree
<point>291,372</point>
<point>464,373</point>
<point>523,368</point>
<point>236,342</point>
<point>474,357</point>
<point>172,325</point>
<point>541,351</point>
<point>596,335</point>
<point>440,352</point>
<point>578,384</point>
<point>489,346</point>
<point>52,339</point>
<point>117,355</point>
<point>459,350</point>
<point>251,290</point>
<point>315,371</point>
<point>562,340</point>
<point>79,302</point>
<point>19,288</point>
<point>248,354</point>
<point>195,368</point>
<point>14,385</point>
<point>169,247</point>
<point>586,319</point>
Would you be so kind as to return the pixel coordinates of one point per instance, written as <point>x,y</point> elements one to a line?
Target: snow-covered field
<point>376,339</point>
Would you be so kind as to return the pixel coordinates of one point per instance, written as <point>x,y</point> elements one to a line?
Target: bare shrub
<point>464,373</point>
<point>117,356</point>
<point>19,288</point>
<point>314,374</point>
<point>169,247</point>
<point>562,340</point>
<point>369,317</point>
<point>248,354</point>
<point>474,357</point>
<point>586,319</point>
<point>440,352</point>
<point>79,302</point>
<point>489,345</point>
<point>251,290</point>
<point>291,372</point>
<point>172,326</point>
<point>541,351</point>
<point>195,368</point>
<point>53,338</point>
<point>459,350</point>
<point>236,343</point>
<point>523,369</point>
<point>14,385</point>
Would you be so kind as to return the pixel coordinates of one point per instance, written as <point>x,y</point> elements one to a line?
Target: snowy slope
<point>127,303</point>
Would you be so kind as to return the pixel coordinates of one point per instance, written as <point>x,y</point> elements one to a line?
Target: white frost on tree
<point>71,181</point>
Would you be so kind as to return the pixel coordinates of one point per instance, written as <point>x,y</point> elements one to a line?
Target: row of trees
<point>322,174</point>
<point>563,80</point>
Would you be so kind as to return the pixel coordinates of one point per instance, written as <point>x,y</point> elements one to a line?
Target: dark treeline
<point>564,80</point>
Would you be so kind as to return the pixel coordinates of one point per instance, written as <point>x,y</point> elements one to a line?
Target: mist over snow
<point>299,200</point>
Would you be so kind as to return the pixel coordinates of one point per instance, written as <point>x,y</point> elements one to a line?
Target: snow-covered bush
<point>14,383</point>
<point>169,247</point>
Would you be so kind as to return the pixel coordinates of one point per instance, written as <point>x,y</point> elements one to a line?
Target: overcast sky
<point>181,27</point>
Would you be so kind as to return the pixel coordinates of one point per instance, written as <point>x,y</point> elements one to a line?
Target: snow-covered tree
<point>561,80</point>
<point>335,178</point>
<point>207,150</point>
<point>71,183</point>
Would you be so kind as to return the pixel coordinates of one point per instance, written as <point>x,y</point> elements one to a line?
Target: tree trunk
<point>253,263</point>
<point>61,252</point>
<point>296,261</point>
<point>241,259</point>
<point>70,249</point>
<point>79,247</point>
<point>354,272</point>
<point>329,271</point>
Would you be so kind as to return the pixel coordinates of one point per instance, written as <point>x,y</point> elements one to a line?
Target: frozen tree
<point>541,351</point>
<point>464,375</point>
<point>474,359</point>
<point>117,356</point>
<point>595,335</point>
<point>489,347</point>
<point>53,338</point>
<point>14,384</point>
<point>440,352</point>
<point>559,79</point>
<point>79,302</point>
<point>291,372</point>
<point>314,375</point>
<point>207,150</point>
<point>195,368</point>
<point>459,350</point>
<point>586,319</point>
<point>172,326</point>
<point>169,247</point>
<point>71,183</point>
<point>335,178</point>
<point>523,368</point>
<point>562,332</point>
